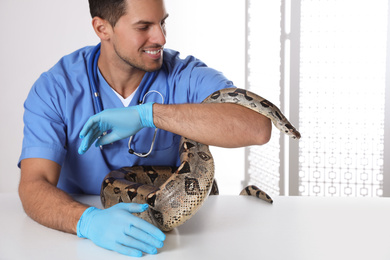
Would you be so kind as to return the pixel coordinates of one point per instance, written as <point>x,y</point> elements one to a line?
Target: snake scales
<point>175,194</point>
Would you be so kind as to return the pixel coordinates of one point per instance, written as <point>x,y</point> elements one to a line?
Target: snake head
<point>292,131</point>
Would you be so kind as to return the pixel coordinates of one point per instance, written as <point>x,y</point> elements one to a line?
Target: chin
<point>152,68</point>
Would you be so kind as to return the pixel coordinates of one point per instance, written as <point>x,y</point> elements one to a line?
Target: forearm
<point>48,205</point>
<point>224,125</point>
<point>110,228</point>
<point>51,207</point>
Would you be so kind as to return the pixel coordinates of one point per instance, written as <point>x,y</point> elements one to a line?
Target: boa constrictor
<point>174,195</point>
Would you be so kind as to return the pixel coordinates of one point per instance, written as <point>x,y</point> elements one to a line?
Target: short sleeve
<point>204,81</point>
<point>44,127</point>
<point>192,81</point>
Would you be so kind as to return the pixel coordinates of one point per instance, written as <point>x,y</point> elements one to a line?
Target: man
<point>132,57</point>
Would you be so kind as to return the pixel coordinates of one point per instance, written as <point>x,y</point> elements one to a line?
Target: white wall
<point>36,34</point>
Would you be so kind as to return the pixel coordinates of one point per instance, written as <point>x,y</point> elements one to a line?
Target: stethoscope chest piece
<point>143,155</point>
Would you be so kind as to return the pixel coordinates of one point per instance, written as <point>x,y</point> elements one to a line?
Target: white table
<point>227,227</point>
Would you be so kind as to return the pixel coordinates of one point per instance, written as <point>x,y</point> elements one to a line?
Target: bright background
<point>36,34</point>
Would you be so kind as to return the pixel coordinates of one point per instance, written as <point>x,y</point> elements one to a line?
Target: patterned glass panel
<point>342,94</point>
<point>264,79</point>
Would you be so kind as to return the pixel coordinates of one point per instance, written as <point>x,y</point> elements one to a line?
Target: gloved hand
<point>117,229</point>
<point>121,122</point>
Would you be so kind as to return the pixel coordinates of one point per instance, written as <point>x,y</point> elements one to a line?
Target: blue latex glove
<point>117,229</point>
<point>120,122</point>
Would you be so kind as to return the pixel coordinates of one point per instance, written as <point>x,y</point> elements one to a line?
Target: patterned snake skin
<point>174,195</point>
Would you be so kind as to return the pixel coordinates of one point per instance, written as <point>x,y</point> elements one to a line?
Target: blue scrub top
<point>60,102</point>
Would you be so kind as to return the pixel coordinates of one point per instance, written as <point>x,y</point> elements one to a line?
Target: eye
<point>143,28</point>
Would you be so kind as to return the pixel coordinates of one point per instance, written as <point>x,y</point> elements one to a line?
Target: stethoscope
<point>92,69</point>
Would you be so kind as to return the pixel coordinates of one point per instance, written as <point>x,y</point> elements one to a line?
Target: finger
<point>88,140</point>
<point>107,139</point>
<point>125,250</point>
<point>144,225</point>
<point>136,207</point>
<point>143,237</point>
<point>140,223</point>
<point>150,229</point>
<point>90,124</point>
<point>130,207</point>
<point>134,243</point>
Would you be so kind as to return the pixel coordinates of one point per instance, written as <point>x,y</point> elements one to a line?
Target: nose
<point>159,35</point>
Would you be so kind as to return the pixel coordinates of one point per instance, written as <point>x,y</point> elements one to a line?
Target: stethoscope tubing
<point>92,74</point>
<point>92,67</point>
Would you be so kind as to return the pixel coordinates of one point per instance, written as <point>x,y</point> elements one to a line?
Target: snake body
<point>174,195</point>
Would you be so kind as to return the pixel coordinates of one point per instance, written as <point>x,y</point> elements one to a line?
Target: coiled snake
<point>174,195</point>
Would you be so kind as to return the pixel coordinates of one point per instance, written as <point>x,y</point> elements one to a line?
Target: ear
<point>102,28</point>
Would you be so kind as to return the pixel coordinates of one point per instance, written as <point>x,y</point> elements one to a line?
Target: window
<point>323,62</point>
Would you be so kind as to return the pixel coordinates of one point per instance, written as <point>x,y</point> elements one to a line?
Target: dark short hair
<point>110,10</point>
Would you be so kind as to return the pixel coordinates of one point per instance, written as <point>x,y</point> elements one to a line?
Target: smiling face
<point>138,37</point>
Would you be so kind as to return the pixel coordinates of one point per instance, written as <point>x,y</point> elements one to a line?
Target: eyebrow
<point>148,22</point>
